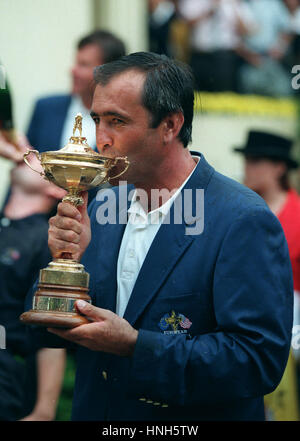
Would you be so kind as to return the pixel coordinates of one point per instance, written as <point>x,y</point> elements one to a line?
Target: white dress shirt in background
<point>218,31</point>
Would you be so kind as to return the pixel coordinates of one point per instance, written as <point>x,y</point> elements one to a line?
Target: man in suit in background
<point>53,117</point>
<point>191,316</point>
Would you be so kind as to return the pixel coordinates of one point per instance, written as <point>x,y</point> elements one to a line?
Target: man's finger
<point>65,235</point>
<point>61,333</point>
<point>65,223</point>
<point>58,247</point>
<point>72,334</point>
<point>90,311</point>
<point>68,210</point>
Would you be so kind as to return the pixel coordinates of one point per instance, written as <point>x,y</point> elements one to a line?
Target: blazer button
<point>149,401</point>
<point>165,405</point>
<point>156,403</point>
<point>142,399</point>
<point>104,375</point>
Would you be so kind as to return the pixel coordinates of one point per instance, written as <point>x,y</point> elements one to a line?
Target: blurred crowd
<point>243,46</point>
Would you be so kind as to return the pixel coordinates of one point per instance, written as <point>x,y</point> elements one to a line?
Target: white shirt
<point>139,234</point>
<point>217,31</point>
<point>272,19</point>
<point>88,125</point>
<point>295,22</point>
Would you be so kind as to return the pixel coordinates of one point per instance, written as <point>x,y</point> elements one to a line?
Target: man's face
<point>33,183</point>
<point>262,174</point>
<point>292,5</point>
<point>82,72</point>
<point>123,125</point>
<point>23,176</point>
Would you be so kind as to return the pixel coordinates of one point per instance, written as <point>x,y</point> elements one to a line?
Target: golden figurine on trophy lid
<point>76,168</point>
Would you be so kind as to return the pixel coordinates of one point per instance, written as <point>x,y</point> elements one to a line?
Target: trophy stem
<point>74,198</point>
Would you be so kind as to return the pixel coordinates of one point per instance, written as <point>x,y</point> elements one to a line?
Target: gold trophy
<point>76,168</point>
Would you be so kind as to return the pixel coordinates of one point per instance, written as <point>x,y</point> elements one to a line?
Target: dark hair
<point>110,46</point>
<point>168,86</point>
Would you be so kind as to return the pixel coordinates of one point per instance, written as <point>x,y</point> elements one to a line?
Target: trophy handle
<point>127,163</point>
<point>37,154</point>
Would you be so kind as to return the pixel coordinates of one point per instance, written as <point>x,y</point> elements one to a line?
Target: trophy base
<point>53,319</point>
<point>54,306</point>
<point>61,284</point>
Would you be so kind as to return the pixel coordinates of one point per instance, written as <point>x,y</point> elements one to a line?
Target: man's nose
<point>103,140</point>
<point>74,68</point>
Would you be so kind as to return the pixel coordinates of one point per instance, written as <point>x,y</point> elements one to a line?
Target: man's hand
<point>69,230</point>
<point>10,151</point>
<point>107,331</point>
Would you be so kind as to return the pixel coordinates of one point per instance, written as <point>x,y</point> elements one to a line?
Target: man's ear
<point>171,126</point>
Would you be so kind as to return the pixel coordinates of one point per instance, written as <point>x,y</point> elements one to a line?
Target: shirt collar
<point>136,208</point>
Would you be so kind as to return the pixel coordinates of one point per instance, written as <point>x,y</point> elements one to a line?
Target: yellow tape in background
<point>232,103</point>
<point>283,404</point>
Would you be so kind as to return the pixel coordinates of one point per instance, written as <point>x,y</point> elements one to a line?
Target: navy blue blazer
<point>229,294</point>
<point>46,125</point>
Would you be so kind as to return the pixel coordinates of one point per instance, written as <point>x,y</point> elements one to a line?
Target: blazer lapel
<point>106,274</point>
<point>168,245</point>
<point>109,241</point>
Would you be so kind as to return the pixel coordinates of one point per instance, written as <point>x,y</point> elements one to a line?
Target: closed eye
<point>117,121</point>
<point>96,119</point>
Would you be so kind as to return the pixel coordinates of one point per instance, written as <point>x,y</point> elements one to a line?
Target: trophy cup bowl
<point>76,168</point>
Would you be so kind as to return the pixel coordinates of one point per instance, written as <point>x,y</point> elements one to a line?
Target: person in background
<point>264,50</point>
<point>161,15</point>
<point>293,56</point>
<point>30,383</point>
<point>217,27</point>
<point>268,163</point>
<point>52,121</point>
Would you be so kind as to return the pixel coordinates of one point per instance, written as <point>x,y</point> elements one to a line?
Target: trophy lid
<point>77,167</point>
<point>77,145</point>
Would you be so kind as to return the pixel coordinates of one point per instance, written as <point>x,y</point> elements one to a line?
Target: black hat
<point>268,145</point>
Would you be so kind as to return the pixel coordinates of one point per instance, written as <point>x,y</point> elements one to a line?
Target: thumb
<point>88,310</point>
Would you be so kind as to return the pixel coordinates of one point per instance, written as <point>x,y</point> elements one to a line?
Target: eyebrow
<point>109,113</point>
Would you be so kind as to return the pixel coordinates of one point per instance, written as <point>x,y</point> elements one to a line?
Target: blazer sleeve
<point>34,124</point>
<point>245,356</point>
